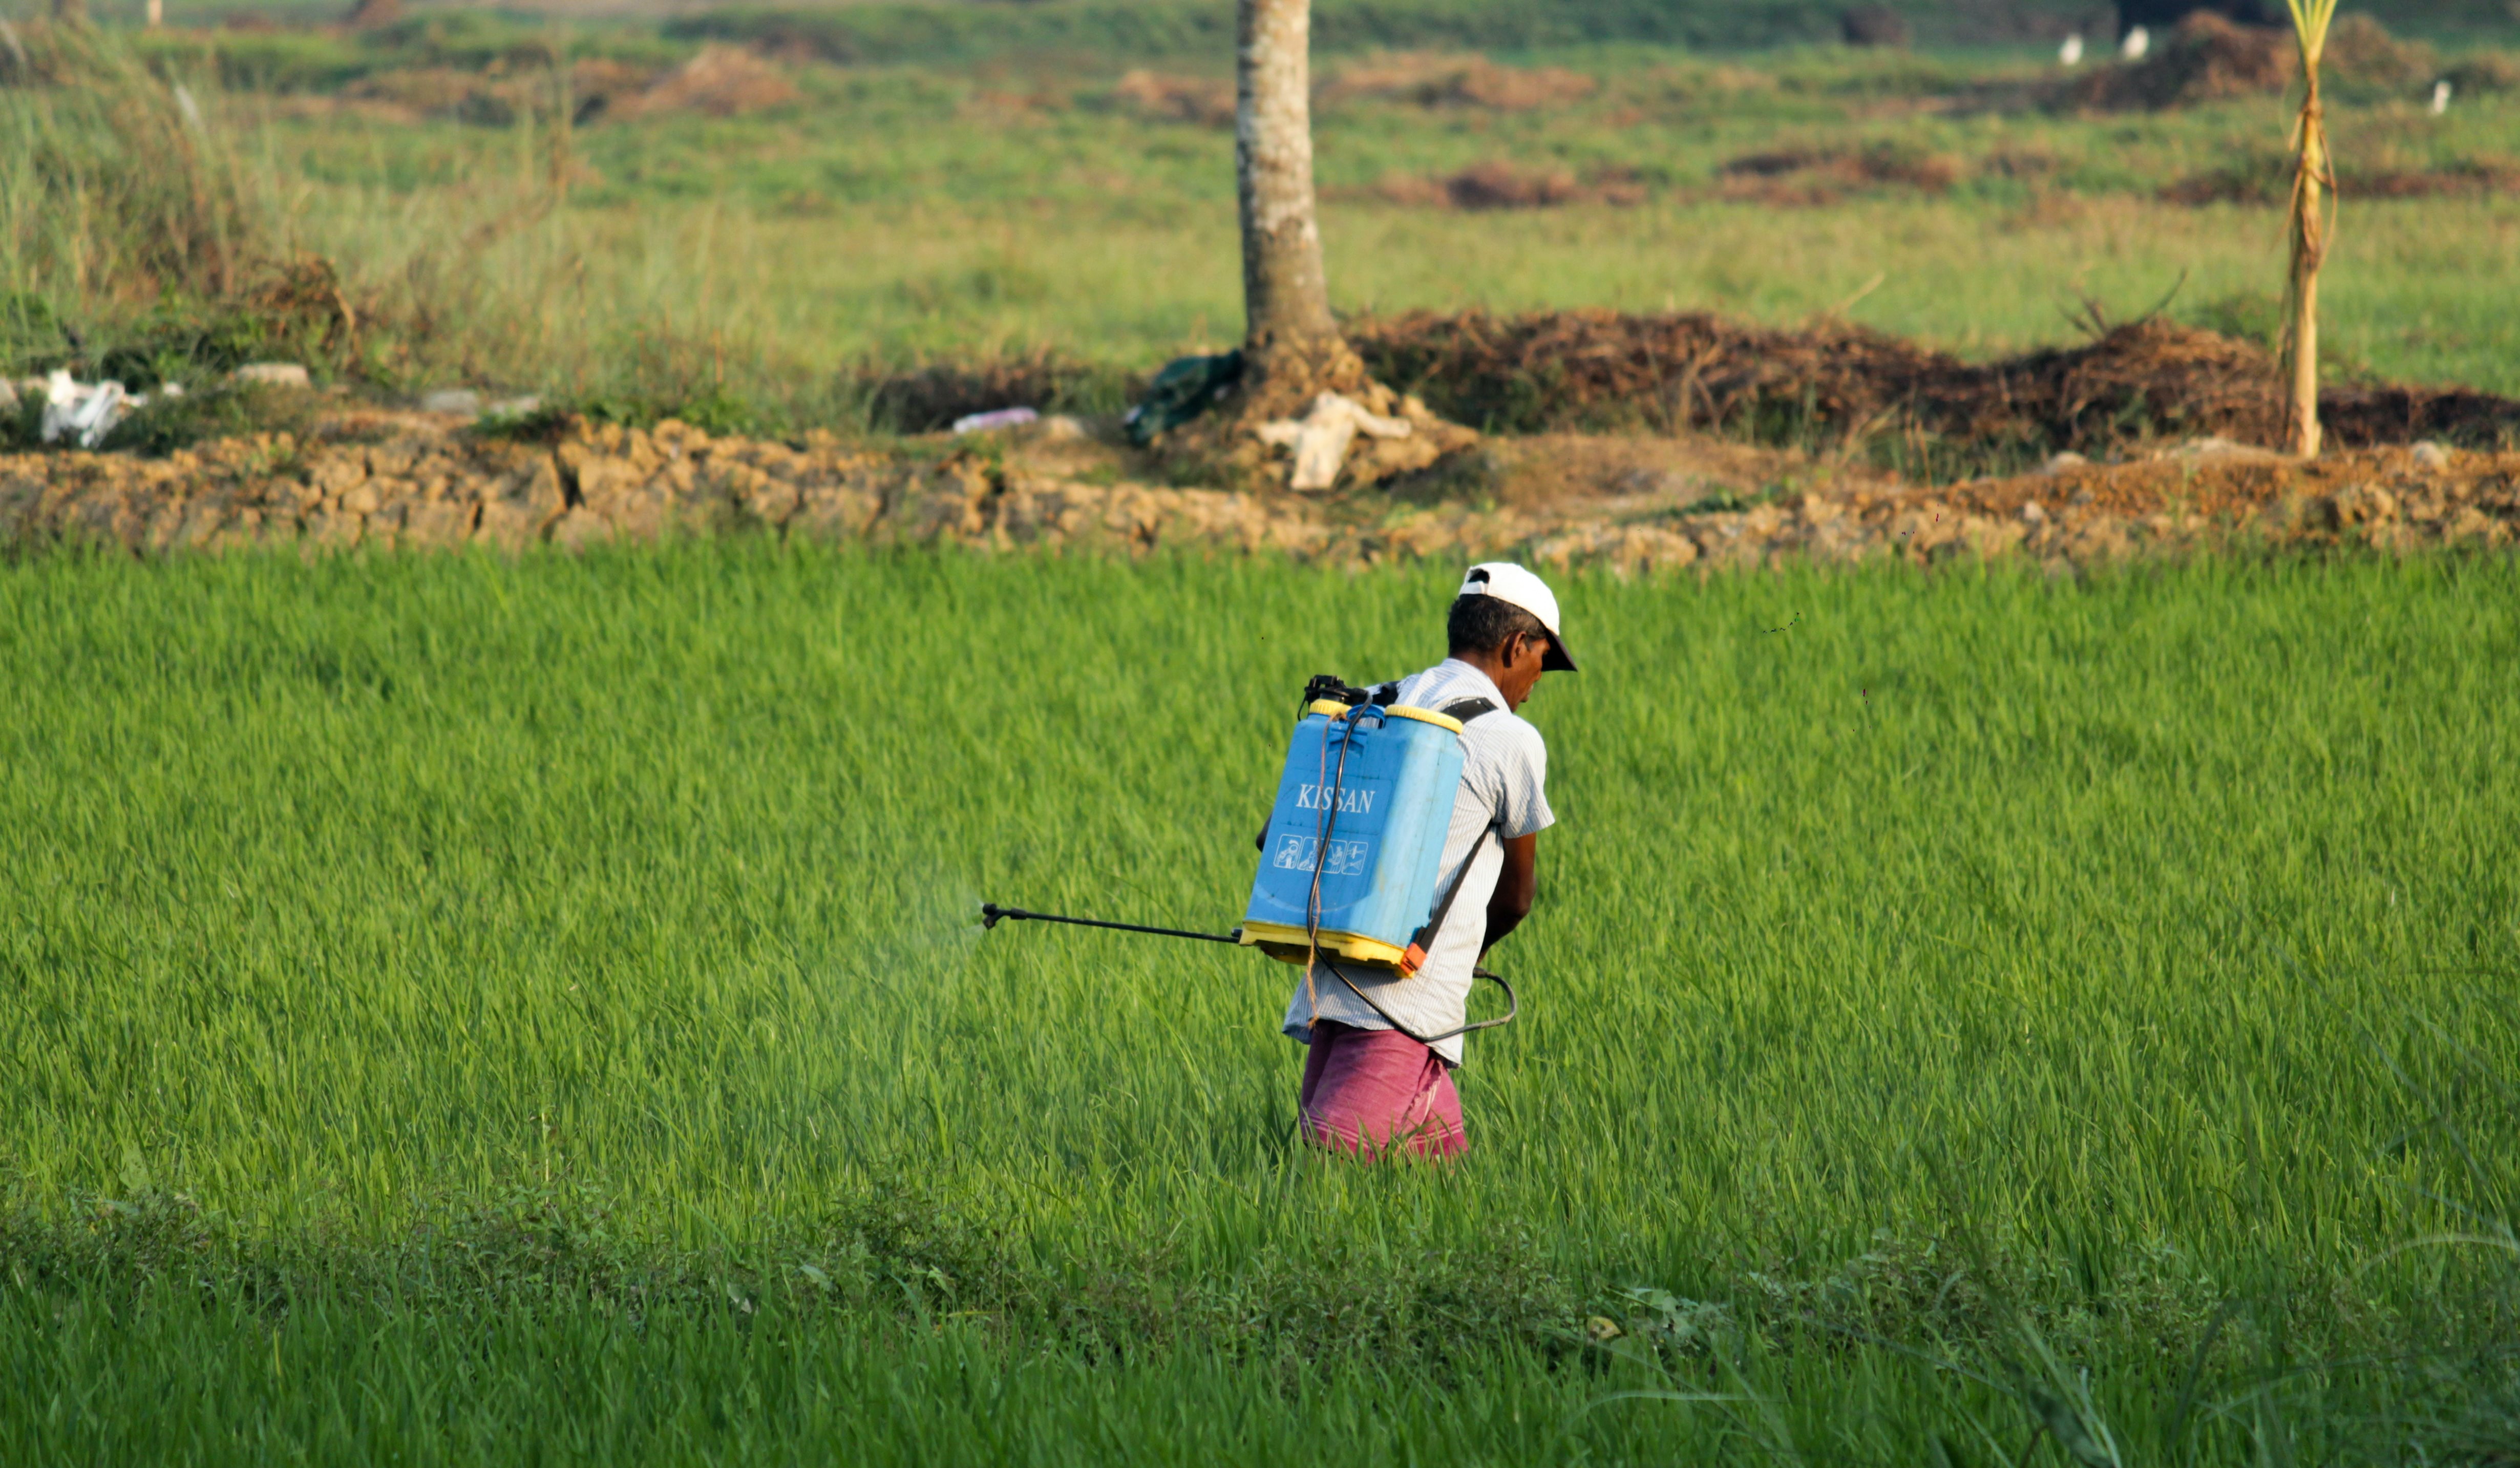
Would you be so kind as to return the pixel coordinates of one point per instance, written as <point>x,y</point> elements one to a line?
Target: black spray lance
<point>1395,814</point>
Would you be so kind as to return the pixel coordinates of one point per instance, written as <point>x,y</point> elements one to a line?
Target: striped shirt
<point>1504,769</point>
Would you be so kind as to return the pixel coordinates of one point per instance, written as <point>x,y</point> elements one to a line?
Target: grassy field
<point>457,1010</point>
<point>913,213</point>
<point>901,212</point>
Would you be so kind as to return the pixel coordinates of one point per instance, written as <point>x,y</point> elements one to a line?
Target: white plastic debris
<point>84,411</point>
<point>1321,437</point>
<point>2137,41</point>
<point>273,375</point>
<point>1000,417</point>
<point>462,401</point>
<point>2070,54</point>
<point>2441,98</point>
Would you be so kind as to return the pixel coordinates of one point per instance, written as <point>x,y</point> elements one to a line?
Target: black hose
<point>1512,1006</point>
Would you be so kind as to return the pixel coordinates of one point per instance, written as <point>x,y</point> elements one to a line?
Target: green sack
<point>1187,387</point>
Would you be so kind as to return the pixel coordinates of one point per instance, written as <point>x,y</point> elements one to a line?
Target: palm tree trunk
<point>1292,343</point>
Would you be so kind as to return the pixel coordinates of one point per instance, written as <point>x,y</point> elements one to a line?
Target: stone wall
<point>427,488</point>
<point>395,484</point>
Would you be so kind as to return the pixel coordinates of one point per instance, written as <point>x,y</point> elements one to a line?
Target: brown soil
<point>1839,384</point>
<point>1430,79</point>
<point>1444,80</point>
<point>1811,177</point>
<point>2266,181</point>
<point>1205,101</point>
<point>722,82</point>
<point>1502,185</point>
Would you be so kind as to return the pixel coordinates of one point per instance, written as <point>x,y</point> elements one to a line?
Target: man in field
<point>1367,1083</point>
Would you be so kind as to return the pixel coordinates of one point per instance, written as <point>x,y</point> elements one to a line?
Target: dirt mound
<point>1431,78</point>
<point>722,82</point>
<point>597,86</point>
<point>1838,384</point>
<point>1205,101</point>
<point>2269,180</point>
<point>1501,185</point>
<point>438,92</point>
<point>1821,176</point>
<point>2206,58</point>
<point>1875,26</point>
<point>2209,59</point>
<point>2362,52</point>
<point>2485,71</point>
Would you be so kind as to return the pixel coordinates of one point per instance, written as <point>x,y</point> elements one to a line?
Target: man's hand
<point>1518,886</point>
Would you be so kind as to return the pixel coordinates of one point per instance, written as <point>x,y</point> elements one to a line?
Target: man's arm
<point>1516,887</point>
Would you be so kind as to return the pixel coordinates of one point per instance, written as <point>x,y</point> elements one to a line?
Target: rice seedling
<point>463,1009</point>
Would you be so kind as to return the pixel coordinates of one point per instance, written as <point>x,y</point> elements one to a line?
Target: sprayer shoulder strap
<point>1463,710</point>
<point>1444,909</point>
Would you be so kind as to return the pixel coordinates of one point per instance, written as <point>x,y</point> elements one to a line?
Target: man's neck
<point>1487,664</point>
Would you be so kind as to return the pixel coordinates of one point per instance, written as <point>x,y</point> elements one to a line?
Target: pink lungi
<point>1369,1089</point>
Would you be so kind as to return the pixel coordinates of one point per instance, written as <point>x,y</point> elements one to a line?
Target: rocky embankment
<point>403,481</point>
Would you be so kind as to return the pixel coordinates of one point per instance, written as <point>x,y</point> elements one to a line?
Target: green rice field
<point>455,1010</point>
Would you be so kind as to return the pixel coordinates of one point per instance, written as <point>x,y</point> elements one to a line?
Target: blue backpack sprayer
<point>1354,846</point>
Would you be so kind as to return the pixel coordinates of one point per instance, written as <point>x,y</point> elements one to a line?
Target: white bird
<point>2071,53</point>
<point>2441,98</point>
<point>2137,41</point>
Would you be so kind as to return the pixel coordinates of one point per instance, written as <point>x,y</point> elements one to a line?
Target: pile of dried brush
<point>1836,383</point>
<point>928,397</point>
<point>1831,386</point>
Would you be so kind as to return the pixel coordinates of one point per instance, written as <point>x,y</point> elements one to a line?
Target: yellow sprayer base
<point>1288,944</point>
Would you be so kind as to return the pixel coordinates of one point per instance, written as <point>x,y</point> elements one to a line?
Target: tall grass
<point>115,184</point>
<point>2120,967</point>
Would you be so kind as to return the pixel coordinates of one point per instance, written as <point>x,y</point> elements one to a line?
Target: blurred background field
<point>764,208</point>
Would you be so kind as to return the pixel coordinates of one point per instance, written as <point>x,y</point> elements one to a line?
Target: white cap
<point>1511,584</point>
